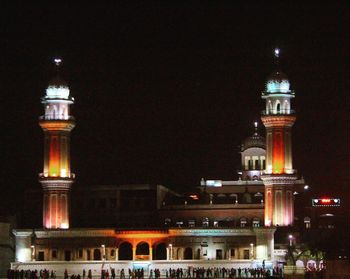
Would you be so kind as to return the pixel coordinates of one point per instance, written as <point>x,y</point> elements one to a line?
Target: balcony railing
<point>278,112</point>
<point>50,117</point>
<point>42,175</point>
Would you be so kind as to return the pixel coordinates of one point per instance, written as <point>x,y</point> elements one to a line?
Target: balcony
<point>58,118</point>
<point>278,112</point>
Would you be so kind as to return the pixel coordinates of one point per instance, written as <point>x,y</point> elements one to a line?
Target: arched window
<point>159,251</point>
<point>205,222</point>
<point>243,222</point>
<point>278,108</point>
<point>188,254</point>
<point>97,254</point>
<point>256,222</point>
<point>125,251</point>
<point>142,250</point>
<point>307,222</point>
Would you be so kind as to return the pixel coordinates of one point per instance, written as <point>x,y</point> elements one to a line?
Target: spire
<point>255,128</point>
<point>277,52</point>
<point>57,88</point>
<point>57,61</point>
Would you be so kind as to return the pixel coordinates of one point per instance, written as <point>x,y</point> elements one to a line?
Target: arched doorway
<point>125,251</point>
<point>97,254</point>
<point>188,254</point>
<point>142,251</point>
<point>159,252</point>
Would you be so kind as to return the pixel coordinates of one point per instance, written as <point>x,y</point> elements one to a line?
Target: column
<point>150,253</point>
<point>167,253</point>
<point>116,254</point>
<point>133,253</point>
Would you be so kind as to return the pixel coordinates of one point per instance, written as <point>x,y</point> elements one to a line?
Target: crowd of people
<point>171,273</point>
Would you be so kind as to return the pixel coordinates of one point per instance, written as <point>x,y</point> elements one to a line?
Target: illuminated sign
<point>325,202</point>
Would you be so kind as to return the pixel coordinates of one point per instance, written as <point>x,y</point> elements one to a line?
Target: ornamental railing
<point>56,117</point>
<point>278,112</point>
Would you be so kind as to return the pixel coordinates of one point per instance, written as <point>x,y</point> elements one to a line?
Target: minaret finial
<point>57,61</point>
<point>277,52</point>
<point>256,127</point>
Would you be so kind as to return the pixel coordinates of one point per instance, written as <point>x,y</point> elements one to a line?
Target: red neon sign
<point>325,200</point>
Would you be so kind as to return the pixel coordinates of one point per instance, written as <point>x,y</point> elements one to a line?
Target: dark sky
<point>166,91</point>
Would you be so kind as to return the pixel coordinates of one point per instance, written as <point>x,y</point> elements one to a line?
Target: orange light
<point>278,153</point>
<point>195,197</point>
<point>54,156</point>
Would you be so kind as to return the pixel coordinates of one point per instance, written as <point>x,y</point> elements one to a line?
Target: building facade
<point>225,223</point>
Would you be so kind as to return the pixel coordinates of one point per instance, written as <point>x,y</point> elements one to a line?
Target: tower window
<point>278,108</point>
<point>250,164</point>
<point>257,165</point>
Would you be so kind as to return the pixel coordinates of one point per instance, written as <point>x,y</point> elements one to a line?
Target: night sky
<point>166,91</point>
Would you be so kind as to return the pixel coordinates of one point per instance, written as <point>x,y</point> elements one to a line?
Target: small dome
<point>57,89</point>
<point>58,82</point>
<point>278,83</point>
<point>255,140</point>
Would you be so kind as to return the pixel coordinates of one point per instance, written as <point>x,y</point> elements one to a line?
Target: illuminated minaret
<point>279,175</point>
<point>57,177</point>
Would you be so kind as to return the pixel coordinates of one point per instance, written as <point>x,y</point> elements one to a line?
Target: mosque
<point>224,223</point>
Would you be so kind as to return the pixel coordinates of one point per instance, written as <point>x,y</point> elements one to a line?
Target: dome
<point>57,89</point>
<point>278,83</point>
<point>57,82</point>
<point>255,140</point>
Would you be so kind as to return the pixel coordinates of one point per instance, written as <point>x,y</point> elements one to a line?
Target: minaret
<point>57,177</point>
<point>279,175</point>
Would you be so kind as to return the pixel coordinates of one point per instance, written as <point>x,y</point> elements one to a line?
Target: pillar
<point>133,253</point>
<point>150,253</point>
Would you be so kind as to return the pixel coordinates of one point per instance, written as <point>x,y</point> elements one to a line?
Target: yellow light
<point>63,173</point>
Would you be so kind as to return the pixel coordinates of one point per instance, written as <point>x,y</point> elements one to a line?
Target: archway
<point>142,251</point>
<point>188,254</point>
<point>159,252</point>
<point>125,251</point>
<point>97,254</point>
<point>278,107</point>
